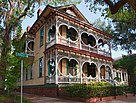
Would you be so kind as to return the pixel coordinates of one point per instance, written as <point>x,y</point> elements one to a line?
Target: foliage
<point>103,26</point>
<point>2,98</point>
<point>12,74</point>
<point>113,5</point>
<point>87,91</point>
<point>128,62</point>
<point>12,99</point>
<point>123,16</point>
<point>18,98</point>
<point>99,84</point>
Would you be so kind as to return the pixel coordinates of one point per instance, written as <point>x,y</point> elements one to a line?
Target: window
<point>31,71</point>
<point>41,71</point>
<point>51,67</point>
<point>41,36</point>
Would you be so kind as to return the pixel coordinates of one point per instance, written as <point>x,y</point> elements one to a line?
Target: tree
<point>113,5</point>
<point>123,16</point>
<point>102,25</point>
<point>129,63</point>
<point>12,13</point>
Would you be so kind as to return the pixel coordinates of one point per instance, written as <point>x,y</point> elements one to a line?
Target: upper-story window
<point>41,36</point>
<point>68,33</point>
<point>51,33</point>
<point>41,67</point>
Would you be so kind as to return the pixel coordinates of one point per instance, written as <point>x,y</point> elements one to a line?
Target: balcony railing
<point>86,79</point>
<point>68,79</point>
<point>76,44</point>
<point>104,52</point>
<point>68,42</point>
<point>51,43</point>
<point>88,48</point>
<point>50,79</point>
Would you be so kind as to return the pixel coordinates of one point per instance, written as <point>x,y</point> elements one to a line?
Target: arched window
<point>51,67</point>
<point>51,33</point>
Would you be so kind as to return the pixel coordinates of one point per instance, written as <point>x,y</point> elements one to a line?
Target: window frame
<point>41,67</point>
<point>41,36</point>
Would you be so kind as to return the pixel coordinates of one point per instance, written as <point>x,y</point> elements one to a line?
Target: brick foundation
<point>49,90</point>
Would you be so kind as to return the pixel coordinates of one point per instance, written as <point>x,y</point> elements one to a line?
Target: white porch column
<point>57,31</point>
<point>121,77</point>
<point>56,68</point>
<point>80,72</point>
<point>126,76</point>
<point>99,77</point>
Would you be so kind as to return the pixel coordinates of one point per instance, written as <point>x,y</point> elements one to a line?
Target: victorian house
<point>65,48</point>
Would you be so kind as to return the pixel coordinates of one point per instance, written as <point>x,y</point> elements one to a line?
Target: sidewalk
<point>41,99</point>
<point>123,100</point>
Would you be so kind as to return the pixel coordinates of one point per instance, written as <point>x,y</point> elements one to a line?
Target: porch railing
<point>68,79</point>
<point>88,48</point>
<point>76,44</point>
<point>68,42</point>
<point>50,79</point>
<point>88,79</point>
<point>103,52</point>
<point>51,43</point>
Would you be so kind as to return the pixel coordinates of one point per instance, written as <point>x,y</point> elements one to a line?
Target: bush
<point>96,90</point>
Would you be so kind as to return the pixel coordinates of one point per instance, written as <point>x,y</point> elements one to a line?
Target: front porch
<point>70,70</point>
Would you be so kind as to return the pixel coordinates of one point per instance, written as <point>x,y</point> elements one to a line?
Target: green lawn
<point>11,99</point>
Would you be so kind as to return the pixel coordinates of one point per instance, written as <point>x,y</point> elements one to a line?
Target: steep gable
<point>73,11</point>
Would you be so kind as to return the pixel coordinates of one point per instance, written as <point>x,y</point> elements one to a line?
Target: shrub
<point>96,90</point>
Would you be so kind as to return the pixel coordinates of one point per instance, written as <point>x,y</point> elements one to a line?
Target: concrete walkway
<point>123,100</point>
<point>41,99</point>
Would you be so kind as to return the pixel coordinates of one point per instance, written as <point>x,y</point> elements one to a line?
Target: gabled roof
<point>74,14</point>
<point>73,9</point>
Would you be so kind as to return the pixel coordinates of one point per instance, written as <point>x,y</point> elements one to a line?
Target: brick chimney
<point>39,13</point>
<point>28,28</point>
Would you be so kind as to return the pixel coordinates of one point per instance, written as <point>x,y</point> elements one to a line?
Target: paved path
<point>41,99</point>
<point>123,100</point>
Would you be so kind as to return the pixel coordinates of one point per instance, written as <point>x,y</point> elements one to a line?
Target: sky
<point>90,16</point>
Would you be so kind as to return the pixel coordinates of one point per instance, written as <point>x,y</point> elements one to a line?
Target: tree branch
<point>26,10</point>
<point>114,8</point>
<point>11,3</point>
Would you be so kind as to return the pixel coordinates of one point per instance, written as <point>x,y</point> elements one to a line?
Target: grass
<point>18,98</point>
<point>2,98</point>
<point>6,98</point>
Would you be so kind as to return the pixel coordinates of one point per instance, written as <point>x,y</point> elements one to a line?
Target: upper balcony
<point>29,45</point>
<point>69,36</point>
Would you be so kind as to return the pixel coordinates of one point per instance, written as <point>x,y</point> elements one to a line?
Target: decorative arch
<point>102,71</point>
<point>89,69</point>
<point>30,45</point>
<point>68,32</point>
<point>108,72</point>
<point>51,33</point>
<point>88,39</point>
<point>100,43</point>
<point>72,33</point>
<point>68,66</point>
<point>63,30</point>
